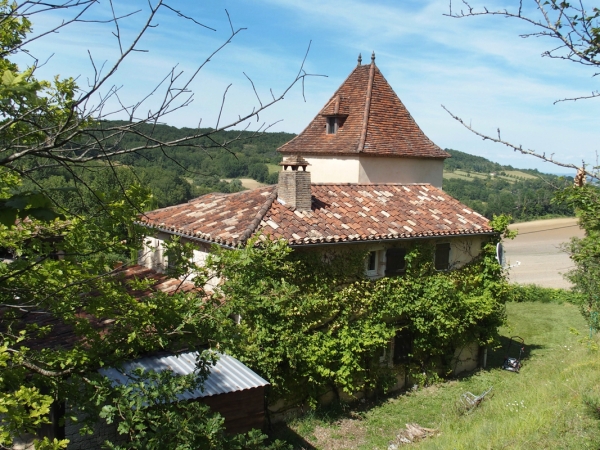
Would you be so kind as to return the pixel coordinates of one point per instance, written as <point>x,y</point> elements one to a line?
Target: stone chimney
<point>293,189</point>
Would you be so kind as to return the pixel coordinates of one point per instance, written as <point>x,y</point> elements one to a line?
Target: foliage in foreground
<point>62,271</point>
<point>149,418</point>
<point>64,310</point>
<point>585,252</point>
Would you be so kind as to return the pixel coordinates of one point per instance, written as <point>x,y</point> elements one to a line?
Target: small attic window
<point>332,125</point>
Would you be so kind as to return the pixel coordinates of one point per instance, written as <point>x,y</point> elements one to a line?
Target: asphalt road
<point>537,248</point>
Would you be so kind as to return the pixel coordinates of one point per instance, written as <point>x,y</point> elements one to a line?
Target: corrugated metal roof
<point>227,375</point>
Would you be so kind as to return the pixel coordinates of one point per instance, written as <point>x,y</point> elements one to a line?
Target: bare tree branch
<point>576,28</point>
<point>518,148</point>
<point>70,142</point>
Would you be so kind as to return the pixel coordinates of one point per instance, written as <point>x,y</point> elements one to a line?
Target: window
<point>442,256</point>
<point>395,263</point>
<point>403,346</point>
<point>372,264</point>
<point>332,125</point>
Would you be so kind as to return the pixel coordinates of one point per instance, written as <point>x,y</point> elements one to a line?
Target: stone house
<point>362,174</point>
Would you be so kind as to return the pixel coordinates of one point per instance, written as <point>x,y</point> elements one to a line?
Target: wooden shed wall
<point>242,410</point>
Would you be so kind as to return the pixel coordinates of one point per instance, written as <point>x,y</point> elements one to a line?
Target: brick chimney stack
<point>293,189</point>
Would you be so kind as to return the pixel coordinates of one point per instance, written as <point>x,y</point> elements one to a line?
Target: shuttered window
<point>395,264</point>
<point>442,256</point>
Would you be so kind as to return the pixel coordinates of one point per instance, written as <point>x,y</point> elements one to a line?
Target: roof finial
<point>373,58</point>
<point>359,59</point>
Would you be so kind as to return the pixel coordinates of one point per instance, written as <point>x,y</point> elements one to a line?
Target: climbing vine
<point>311,322</point>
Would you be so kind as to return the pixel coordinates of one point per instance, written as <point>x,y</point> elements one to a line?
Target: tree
<point>57,269</point>
<point>576,30</point>
<point>62,124</point>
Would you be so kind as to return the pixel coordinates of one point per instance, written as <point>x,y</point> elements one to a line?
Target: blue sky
<point>479,68</point>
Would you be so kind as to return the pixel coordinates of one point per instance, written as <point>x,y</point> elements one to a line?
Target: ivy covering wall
<point>311,322</point>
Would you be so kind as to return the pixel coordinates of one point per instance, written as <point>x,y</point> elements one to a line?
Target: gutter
<point>187,236</point>
<point>319,244</point>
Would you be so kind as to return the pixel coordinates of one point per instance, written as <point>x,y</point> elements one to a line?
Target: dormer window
<point>332,125</point>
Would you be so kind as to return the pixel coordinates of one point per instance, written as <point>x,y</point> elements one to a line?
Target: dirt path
<point>537,247</point>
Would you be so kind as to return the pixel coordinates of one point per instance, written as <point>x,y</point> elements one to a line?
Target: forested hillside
<point>175,175</point>
<point>491,188</point>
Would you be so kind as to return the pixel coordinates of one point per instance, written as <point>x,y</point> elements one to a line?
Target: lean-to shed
<point>231,389</point>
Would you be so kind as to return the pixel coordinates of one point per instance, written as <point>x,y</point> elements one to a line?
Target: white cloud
<point>478,67</point>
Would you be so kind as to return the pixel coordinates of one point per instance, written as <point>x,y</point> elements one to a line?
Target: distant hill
<point>464,161</point>
<point>491,188</point>
<point>179,174</point>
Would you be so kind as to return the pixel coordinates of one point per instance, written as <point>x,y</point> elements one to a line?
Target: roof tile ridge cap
<point>363,133</point>
<point>258,217</point>
<point>280,149</point>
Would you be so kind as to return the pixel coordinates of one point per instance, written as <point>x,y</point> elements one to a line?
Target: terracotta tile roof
<point>220,218</point>
<point>373,121</point>
<point>340,213</point>
<point>62,335</point>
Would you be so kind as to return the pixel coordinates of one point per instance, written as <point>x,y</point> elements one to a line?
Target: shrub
<point>534,293</point>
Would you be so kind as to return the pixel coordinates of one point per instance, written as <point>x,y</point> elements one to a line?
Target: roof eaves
<point>206,239</point>
<point>358,239</point>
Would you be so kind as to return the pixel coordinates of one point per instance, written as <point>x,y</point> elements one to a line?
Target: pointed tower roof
<point>371,120</point>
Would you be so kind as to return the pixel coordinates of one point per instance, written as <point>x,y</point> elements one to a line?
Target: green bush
<point>534,293</point>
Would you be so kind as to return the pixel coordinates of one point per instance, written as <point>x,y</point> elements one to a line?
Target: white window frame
<point>375,271</point>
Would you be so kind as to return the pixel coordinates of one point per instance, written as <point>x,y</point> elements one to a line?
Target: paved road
<point>537,247</point>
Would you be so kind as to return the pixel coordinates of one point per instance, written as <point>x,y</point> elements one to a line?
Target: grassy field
<point>511,175</point>
<point>542,407</point>
<point>519,174</point>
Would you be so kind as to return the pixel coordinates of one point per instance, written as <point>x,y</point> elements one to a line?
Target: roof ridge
<point>258,217</point>
<point>365,124</point>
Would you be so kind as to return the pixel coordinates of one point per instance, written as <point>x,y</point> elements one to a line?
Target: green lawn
<point>542,407</point>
